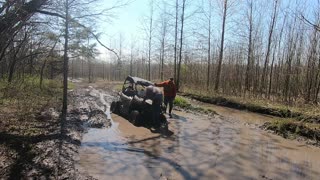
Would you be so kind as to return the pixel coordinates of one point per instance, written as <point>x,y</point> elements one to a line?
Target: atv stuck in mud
<point>130,104</point>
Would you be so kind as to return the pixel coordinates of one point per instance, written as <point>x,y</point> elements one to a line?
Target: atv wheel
<point>114,108</point>
<point>163,122</point>
<point>134,117</point>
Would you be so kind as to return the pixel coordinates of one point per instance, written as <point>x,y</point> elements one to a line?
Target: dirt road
<point>226,146</point>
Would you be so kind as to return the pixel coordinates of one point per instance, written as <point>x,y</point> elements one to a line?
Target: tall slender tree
<point>150,39</point>
<point>224,16</point>
<point>268,50</point>
<point>181,43</point>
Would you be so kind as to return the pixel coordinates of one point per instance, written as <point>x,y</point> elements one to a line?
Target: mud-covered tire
<point>122,110</point>
<point>163,122</point>
<point>114,107</point>
<point>134,117</point>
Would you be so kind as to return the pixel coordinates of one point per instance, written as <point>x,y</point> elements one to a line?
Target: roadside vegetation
<point>28,115</point>
<point>292,129</point>
<point>302,112</point>
<point>24,98</point>
<point>185,105</point>
<point>295,121</point>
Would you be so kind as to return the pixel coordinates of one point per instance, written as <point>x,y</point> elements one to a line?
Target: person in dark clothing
<point>170,91</point>
<point>156,96</point>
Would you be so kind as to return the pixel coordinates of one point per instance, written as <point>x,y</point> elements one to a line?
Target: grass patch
<point>23,99</point>
<point>118,87</point>
<point>292,128</point>
<point>181,102</point>
<point>184,104</point>
<point>71,85</point>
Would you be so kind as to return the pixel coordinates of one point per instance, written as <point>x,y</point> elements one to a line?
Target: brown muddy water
<point>226,146</point>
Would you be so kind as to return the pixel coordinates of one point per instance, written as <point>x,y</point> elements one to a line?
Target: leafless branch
<point>97,39</point>
<point>310,23</point>
<point>51,13</point>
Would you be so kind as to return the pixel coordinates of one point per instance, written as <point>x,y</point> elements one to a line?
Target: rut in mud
<point>230,145</point>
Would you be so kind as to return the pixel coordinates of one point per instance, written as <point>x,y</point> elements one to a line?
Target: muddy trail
<point>226,146</point>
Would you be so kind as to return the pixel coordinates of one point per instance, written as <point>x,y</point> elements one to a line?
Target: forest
<point>62,65</point>
<point>227,47</point>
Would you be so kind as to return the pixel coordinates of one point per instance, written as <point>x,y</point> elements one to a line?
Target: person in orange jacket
<point>169,91</point>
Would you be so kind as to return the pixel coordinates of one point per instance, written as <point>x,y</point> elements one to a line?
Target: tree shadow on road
<point>36,155</point>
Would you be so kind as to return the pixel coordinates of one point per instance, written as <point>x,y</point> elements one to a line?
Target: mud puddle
<point>201,147</point>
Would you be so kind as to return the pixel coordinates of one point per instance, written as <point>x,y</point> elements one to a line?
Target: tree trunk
<point>176,41</point>
<point>266,61</point>
<point>150,38</point>
<point>181,42</point>
<point>249,57</point>
<point>131,60</point>
<point>225,7</point>
<point>310,66</point>
<point>209,47</point>
<point>44,64</point>
<point>65,68</point>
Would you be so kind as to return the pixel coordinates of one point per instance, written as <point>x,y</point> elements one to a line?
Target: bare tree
<point>277,45</point>
<point>150,39</point>
<point>208,16</point>
<point>131,55</point>
<point>224,16</point>
<point>163,35</point>
<point>250,50</point>
<point>176,39</point>
<point>65,64</point>
<point>270,35</point>
<point>181,43</point>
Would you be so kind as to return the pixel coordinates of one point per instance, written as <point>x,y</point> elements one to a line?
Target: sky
<point>127,17</point>
<point>128,21</point>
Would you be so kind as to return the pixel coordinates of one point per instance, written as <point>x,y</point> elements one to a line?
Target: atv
<point>131,106</point>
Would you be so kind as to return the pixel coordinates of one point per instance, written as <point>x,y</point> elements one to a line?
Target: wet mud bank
<point>294,130</point>
<point>91,107</point>
<point>298,127</point>
<point>43,151</point>
<point>47,149</point>
<point>283,113</point>
<point>226,146</point>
